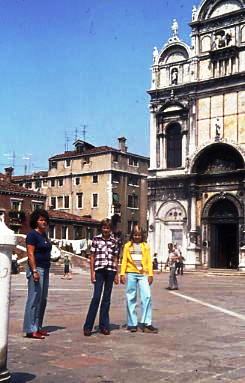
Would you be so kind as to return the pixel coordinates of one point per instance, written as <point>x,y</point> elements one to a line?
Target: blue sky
<point>66,63</point>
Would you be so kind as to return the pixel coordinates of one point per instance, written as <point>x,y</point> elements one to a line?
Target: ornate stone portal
<point>197,148</point>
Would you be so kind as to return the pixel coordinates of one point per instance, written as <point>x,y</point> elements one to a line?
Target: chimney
<point>122,144</point>
<point>8,174</point>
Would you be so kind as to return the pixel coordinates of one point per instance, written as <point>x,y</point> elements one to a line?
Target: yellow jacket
<point>128,265</point>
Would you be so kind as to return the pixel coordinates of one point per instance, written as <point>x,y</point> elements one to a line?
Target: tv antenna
<point>67,140</point>
<point>84,131</point>
<point>27,168</point>
<point>11,157</point>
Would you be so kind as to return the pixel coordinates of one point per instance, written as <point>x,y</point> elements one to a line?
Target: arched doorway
<point>223,223</point>
<point>170,228</point>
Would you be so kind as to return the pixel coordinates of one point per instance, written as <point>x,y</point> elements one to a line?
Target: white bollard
<point>7,242</point>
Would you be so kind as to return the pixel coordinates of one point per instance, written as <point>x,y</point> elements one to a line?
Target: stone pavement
<point>196,343</point>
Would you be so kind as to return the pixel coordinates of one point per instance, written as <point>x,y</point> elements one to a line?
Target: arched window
<point>174,146</point>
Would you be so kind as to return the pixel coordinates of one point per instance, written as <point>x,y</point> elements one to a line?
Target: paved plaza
<point>201,335</point>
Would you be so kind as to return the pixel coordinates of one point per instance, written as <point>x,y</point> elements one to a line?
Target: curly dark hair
<point>36,214</point>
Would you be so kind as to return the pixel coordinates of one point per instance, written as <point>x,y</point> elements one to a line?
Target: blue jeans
<point>104,278</point>
<point>134,281</point>
<point>36,300</point>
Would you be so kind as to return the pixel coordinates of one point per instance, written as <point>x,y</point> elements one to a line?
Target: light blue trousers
<point>135,281</point>
<point>36,300</point>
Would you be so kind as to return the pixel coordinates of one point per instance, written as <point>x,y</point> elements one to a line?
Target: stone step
<point>56,268</point>
<point>228,272</point>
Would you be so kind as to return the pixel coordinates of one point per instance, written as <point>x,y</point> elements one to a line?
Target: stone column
<point>158,243</point>
<point>7,242</point>
<point>184,139</point>
<point>192,127</point>
<point>161,151</point>
<point>242,241</point>
<point>193,249</point>
<point>193,213</point>
<point>164,152</point>
<point>153,137</point>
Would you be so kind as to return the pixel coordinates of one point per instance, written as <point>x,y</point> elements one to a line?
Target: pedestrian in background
<point>104,271</point>
<point>67,266</point>
<point>155,262</point>
<point>170,262</point>
<point>179,265</point>
<point>14,267</point>
<point>137,264</point>
<point>37,273</point>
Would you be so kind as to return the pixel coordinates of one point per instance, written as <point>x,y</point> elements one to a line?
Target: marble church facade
<point>197,150</point>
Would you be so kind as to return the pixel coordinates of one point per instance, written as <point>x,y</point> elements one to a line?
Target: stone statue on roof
<point>194,12</point>
<point>155,55</point>
<point>175,28</point>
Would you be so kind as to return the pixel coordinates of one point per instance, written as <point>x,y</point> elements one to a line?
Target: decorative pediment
<point>174,214</point>
<point>172,211</point>
<point>172,108</point>
<point>175,57</point>
<point>214,8</point>
<point>225,7</point>
<point>173,53</point>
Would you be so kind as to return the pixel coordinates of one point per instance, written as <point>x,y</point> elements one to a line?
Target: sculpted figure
<point>175,27</point>
<point>155,55</point>
<point>174,77</point>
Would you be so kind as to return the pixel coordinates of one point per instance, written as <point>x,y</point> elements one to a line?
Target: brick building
<point>17,203</point>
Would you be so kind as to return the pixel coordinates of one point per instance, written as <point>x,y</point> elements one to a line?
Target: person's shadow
<point>113,327</point>
<point>53,328</point>
<point>21,377</point>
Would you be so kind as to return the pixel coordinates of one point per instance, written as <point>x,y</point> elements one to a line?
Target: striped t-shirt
<point>136,255</point>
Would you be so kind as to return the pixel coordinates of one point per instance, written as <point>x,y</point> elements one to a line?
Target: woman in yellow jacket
<point>137,264</point>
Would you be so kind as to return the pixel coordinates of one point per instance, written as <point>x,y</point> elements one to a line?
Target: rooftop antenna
<point>84,131</point>
<point>12,157</point>
<point>76,132</point>
<point>67,139</point>
<point>27,157</point>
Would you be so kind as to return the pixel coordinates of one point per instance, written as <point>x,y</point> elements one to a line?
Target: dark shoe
<point>105,331</point>
<point>176,288</point>
<point>168,288</point>
<point>150,329</point>
<point>132,328</point>
<point>35,335</point>
<point>87,332</point>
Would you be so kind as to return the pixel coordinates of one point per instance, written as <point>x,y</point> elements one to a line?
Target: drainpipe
<point>7,243</point>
